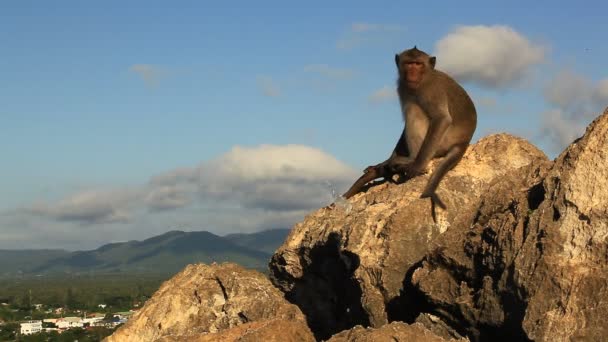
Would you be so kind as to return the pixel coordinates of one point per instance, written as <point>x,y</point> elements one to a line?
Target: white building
<point>93,321</point>
<point>31,327</point>
<point>69,322</point>
<point>103,306</point>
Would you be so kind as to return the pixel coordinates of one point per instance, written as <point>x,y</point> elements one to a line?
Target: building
<point>103,306</point>
<point>93,321</point>
<point>31,327</point>
<point>50,320</point>
<point>69,322</point>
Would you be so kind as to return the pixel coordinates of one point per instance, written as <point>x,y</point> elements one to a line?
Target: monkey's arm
<point>400,154</point>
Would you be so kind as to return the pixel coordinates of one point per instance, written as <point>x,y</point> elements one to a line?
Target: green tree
<point>8,331</point>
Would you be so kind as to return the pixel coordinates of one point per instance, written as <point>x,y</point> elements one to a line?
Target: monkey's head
<point>413,65</point>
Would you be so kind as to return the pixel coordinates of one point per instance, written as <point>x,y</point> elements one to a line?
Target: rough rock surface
<point>534,264</point>
<point>396,331</point>
<point>346,268</point>
<point>521,254</point>
<point>207,299</point>
<point>437,326</point>
<point>275,330</point>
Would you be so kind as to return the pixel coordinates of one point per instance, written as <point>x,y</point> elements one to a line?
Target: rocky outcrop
<point>467,279</point>
<point>396,331</point>
<point>346,268</point>
<point>534,263</point>
<point>204,299</point>
<point>521,254</point>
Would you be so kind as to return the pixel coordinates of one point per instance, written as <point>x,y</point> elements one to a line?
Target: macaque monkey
<point>440,120</point>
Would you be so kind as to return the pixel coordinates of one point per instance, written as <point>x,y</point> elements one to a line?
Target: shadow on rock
<point>327,293</point>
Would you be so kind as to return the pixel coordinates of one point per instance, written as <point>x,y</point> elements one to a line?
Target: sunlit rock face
<point>347,266</point>
<point>207,299</point>
<point>520,254</point>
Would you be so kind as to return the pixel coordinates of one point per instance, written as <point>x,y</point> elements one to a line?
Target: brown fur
<point>440,119</point>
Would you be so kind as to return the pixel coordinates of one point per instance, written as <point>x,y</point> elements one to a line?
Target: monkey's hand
<point>377,168</point>
<point>412,170</point>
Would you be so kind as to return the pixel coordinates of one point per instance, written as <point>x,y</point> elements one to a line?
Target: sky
<point>123,120</point>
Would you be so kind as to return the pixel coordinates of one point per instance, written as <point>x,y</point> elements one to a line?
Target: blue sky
<point>101,101</point>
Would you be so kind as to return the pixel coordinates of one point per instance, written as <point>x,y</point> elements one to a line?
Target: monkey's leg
<point>450,160</point>
<point>370,174</point>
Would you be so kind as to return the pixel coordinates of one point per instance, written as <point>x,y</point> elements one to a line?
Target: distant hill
<point>16,261</point>
<point>162,254</point>
<point>266,241</point>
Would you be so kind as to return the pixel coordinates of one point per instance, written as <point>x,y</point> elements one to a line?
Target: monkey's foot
<point>435,200</point>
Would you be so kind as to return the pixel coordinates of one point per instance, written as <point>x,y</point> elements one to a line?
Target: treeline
<point>19,296</point>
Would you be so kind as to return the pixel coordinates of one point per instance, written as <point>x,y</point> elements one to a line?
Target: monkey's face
<point>412,71</point>
<point>413,65</point>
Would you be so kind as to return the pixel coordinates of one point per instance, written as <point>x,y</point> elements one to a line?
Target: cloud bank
<point>245,189</point>
<point>493,56</point>
<point>574,100</point>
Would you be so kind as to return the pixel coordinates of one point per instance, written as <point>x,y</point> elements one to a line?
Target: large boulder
<point>534,263</point>
<point>346,267</point>
<point>204,299</point>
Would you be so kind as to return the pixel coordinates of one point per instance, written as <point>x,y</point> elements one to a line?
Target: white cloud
<point>494,56</point>
<point>330,72</point>
<point>276,178</point>
<point>575,101</point>
<point>90,207</point>
<point>167,198</point>
<point>151,74</point>
<point>178,175</point>
<point>268,86</point>
<point>569,90</point>
<point>384,94</point>
<point>245,189</point>
<point>600,94</point>
<point>560,129</point>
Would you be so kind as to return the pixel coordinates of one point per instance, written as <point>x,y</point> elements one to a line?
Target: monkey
<point>440,120</point>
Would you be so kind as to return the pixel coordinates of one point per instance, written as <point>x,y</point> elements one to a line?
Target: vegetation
<point>40,284</point>
<point>20,300</point>
<point>75,294</point>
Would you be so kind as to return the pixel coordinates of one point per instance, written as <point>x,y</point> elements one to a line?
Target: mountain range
<point>167,253</point>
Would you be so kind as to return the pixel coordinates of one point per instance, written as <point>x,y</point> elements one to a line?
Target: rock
<point>437,326</point>
<point>346,268</point>
<point>396,331</point>
<point>534,264</point>
<point>275,330</point>
<point>566,274</point>
<point>466,279</point>
<point>208,299</point>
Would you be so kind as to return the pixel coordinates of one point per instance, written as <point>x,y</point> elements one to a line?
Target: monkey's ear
<point>397,60</point>
<point>432,61</point>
